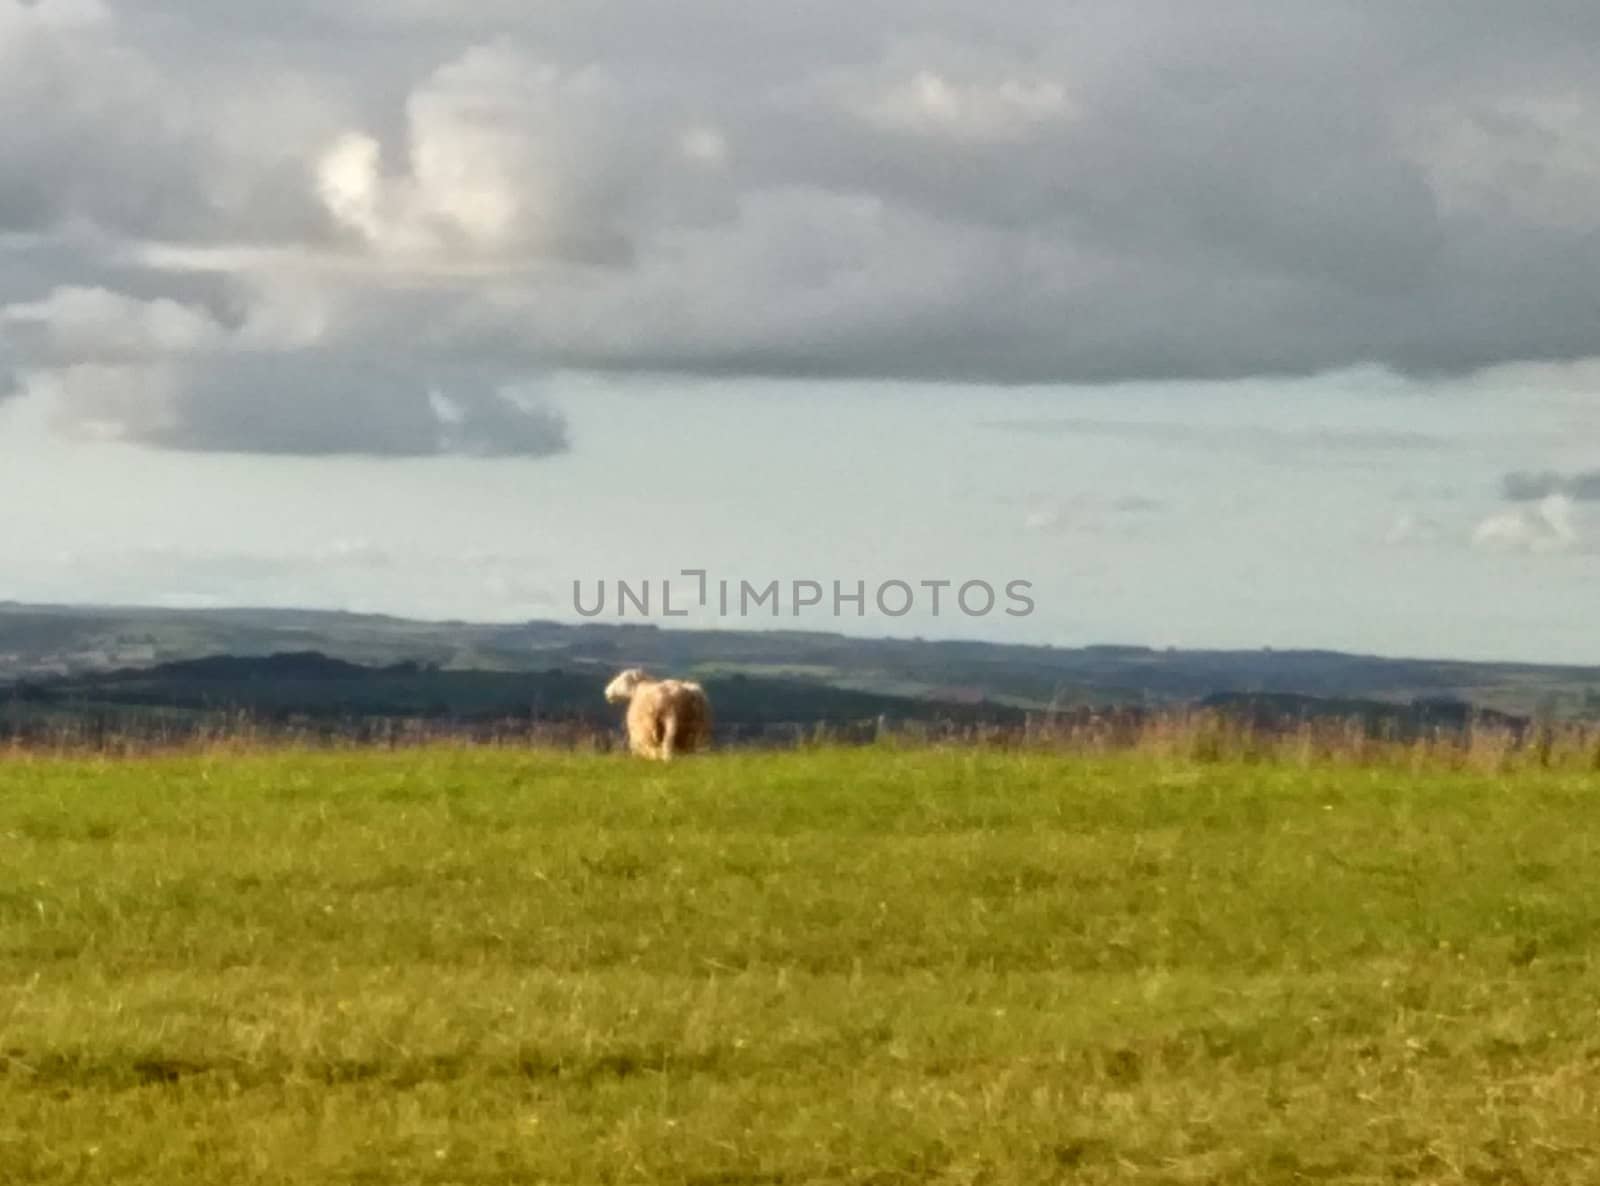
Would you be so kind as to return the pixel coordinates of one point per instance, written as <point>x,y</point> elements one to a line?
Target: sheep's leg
<point>640,743</point>
<point>644,731</point>
<point>669,735</point>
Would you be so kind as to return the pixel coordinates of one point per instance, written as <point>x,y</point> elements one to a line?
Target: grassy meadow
<point>881,965</point>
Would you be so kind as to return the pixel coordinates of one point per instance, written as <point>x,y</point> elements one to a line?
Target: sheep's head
<point>620,690</point>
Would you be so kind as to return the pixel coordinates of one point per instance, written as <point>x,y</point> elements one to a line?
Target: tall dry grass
<point>1209,736</point>
<point>1188,735</point>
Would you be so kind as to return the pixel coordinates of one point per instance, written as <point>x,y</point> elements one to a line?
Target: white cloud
<point>505,153</point>
<point>94,324</point>
<point>1534,156</point>
<point>1550,526</point>
<point>96,401</point>
<point>704,144</point>
<point>928,103</point>
<point>1409,527</point>
<point>1091,513</point>
<point>351,186</point>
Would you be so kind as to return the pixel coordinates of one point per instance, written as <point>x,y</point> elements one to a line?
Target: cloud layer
<point>1549,525</point>
<point>1527,486</point>
<point>216,232</point>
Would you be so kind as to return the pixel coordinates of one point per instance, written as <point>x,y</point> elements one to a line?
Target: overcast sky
<point>1224,324</point>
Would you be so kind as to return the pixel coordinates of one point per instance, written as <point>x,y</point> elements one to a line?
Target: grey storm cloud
<point>310,406</point>
<point>1529,486</point>
<point>1036,193</point>
<point>306,404</point>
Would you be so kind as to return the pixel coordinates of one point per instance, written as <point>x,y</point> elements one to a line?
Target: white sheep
<point>665,716</point>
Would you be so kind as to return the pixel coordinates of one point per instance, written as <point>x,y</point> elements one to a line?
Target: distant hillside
<point>309,695</point>
<point>334,696</point>
<point>38,642</point>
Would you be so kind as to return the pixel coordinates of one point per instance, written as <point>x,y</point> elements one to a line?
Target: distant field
<point>877,965</point>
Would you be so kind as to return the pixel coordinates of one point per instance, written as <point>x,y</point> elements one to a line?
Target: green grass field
<point>875,966</point>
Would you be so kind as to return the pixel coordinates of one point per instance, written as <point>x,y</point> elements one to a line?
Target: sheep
<point>666,717</point>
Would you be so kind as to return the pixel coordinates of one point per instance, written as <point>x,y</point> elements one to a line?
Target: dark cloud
<point>107,135</point>
<point>313,405</point>
<point>1039,193</point>
<point>307,404</point>
<point>1530,486</point>
<point>1136,504</point>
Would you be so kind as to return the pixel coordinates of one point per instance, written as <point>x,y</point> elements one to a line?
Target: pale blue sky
<point>1353,511</point>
